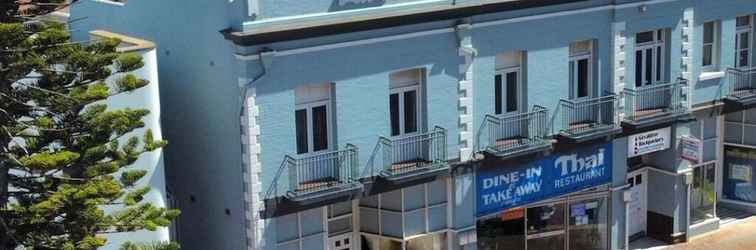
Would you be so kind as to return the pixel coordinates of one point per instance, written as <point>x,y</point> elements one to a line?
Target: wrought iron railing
<point>315,173</point>
<point>654,100</point>
<point>512,132</point>
<point>409,154</point>
<point>587,115</point>
<point>742,82</point>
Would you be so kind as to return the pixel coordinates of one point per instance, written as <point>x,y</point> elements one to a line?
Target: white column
<point>619,40</point>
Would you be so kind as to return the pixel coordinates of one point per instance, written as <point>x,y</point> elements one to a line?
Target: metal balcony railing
<point>396,157</point>
<point>742,82</point>
<point>316,173</point>
<point>587,115</point>
<point>506,134</point>
<point>654,100</point>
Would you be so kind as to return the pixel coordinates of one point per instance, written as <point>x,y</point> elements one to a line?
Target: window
<point>340,218</point>
<point>580,69</point>
<point>703,194</point>
<point>649,57</point>
<point>312,118</point>
<point>507,83</point>
<point>404,101</point>
<point>743,42</point>
<point>710,50</point>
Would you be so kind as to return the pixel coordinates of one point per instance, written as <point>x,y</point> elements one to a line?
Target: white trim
<point>655,45</point>
<point>574,88</point>
<point>400,91</point>
<point>739,145</point>
<point>715,46</point>
<point>447,30</point>
<point>705,76</point>
<point>308,107</point>
<point>503,73</point>
<point>737,202</point>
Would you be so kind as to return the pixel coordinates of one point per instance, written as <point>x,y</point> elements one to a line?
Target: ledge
<point>705,76</point>
<point>128,43</point>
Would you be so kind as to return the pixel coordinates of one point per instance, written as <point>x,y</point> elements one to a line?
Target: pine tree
<point>64,155</point>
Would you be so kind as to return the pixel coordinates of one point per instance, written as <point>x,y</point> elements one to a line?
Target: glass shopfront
<point>566,224</point>
<point>738,183</point>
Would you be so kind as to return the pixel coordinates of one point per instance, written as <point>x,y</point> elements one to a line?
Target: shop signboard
<point>504,187</point>
<point>691,149</point>
<point>648,142</point>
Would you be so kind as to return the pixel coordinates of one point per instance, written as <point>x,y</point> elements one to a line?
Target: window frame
<point>574,88</point>
<point>308,107</point>
<point>658,60</point>
<point>739,30</point>
<point>519,102</point>
<point>400,92</point>
<point>715,41</point>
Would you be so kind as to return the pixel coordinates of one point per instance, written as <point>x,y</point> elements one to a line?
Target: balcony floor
<point>516,146</point>
<point>652,117</point>
<point>586,131</point>
<point>741,99</point>
<point>414,169</point>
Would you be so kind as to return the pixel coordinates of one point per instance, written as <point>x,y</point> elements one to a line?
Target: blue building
<point>449,124</point>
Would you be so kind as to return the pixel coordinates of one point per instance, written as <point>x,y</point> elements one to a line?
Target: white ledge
<point>705,76</point>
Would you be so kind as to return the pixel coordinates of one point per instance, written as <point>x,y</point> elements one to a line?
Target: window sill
<point>705,76</point>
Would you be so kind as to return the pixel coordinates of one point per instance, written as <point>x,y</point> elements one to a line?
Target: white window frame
<point>308,107</point>
<point>738,32</point>
<point>574,59</point>
<point>399,91</point>
<point>503,73</point>
<point>714,164</point>
<point>654,45</point>
<point>714,66</point>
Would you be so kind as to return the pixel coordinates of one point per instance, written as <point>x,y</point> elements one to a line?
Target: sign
<point>503,187</point>
<point>691,149</point>
<point>740,172</point>
<point>577,209</point>
<point>648,142</point>
<point>513,214</point>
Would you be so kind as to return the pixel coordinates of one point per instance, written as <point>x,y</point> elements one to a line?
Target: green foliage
<point>151,246</point>
<point>67,155</point>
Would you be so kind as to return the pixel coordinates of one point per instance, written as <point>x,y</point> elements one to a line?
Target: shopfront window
<point>703,194</point>
<point>546,227</point>
<point>588,224</point>
<point>506,231</point>
<point>428,242</point>
<point>380,243</point>
<point>737,177</point>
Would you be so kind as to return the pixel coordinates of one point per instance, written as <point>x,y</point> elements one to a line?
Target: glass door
<point>589,224</point>
<point>546,227</point>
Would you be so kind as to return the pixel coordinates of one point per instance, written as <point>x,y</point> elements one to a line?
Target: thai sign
<point>648,142</point>
<point>503,187</point>
<point>691,149</point>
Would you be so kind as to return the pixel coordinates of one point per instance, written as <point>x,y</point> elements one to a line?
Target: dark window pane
<point>708,36</point>
<point>707,55</point>
<point>394,113</point>
<point>319,128</point>
<point>644,37</point>
<point>660,35</point>
<point>658,64</point>
<point>582,90</point>
<point>301,121</point>
<point>410,111</point>
<point>743,40</point>
<point>649,66</point>
<point>573,81</point>
<point>497,94</point>
<point>511,91</point>
<point>743,58</point>
<point>743,21</point>
<point>638,179</point>
<point>638,68</point>
<point>547,218</point>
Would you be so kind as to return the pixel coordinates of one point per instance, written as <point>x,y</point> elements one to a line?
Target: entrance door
<point>637,205</point>
<point>341,242</point>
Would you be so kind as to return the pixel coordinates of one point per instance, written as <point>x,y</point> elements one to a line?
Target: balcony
<point>512,135</point>
<point>742,88</point>
<point>653,105</point>
<point>588,119</point>
<point>410,158</point>
<point>312,180</point>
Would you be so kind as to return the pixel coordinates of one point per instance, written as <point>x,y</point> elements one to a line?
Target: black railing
<point>512,132</point>
<point>742,82</point>
<point>654,100</point>
<point>315,173</point>
<point>409,154</point>
<point>587,115</point>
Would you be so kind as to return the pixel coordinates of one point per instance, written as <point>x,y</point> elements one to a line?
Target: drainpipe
<point>264,58</point>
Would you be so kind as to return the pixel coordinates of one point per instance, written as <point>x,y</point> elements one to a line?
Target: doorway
<point>637,207</point>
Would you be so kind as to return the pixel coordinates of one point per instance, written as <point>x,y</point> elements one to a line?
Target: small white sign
<point>691,149</point>
<point>648,142</point>
<point>740,172</point>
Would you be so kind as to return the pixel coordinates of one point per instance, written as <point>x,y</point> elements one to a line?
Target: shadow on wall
<point>339,5</point>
